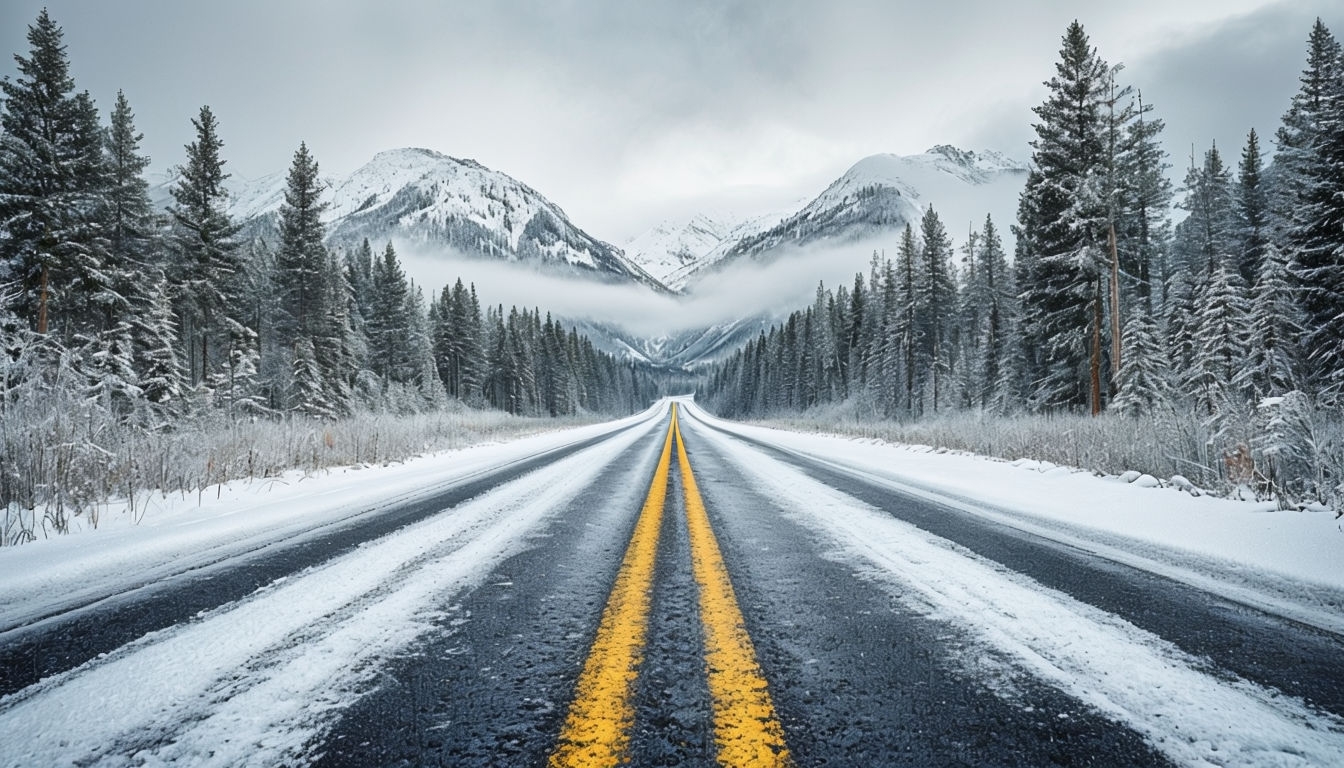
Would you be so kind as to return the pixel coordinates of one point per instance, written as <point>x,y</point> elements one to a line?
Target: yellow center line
<point>597,729</point>
<point>746,730</point>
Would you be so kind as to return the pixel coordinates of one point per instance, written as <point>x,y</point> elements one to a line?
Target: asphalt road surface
<point>669,593</point>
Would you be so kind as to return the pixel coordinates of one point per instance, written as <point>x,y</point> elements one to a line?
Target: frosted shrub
<point>1293,445</point>
<point>62,459</point>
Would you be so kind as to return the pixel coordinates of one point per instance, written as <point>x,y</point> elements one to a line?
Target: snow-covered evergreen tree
<point>53,188</point>
<point>996,296</point>
<point>1252,210</point>
<point>389,325</point>
<point>1208,236</point>
<point>1145,375</point>
<point>1275,329</point>
<point>1302,128</point>
<point>157,362</point>
<point>1144,229</point>
<point>1314,237</point>
<point>207,258</point>
<point>1060,223</point>
<point>301,258</point>
<point>1220,340</point>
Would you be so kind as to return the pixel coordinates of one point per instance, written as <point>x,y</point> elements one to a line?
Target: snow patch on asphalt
<point>257,682</point>
<point>1131,675</point>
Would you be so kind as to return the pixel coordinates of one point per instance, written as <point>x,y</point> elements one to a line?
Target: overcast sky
<point>626,113</point>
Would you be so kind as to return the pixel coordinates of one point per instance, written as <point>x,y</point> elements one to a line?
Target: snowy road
<point>668,593</point>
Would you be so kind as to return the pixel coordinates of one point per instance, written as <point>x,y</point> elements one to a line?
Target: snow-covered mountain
<point>672,246</point>
<point>879,195</point>
<point>423,196</point>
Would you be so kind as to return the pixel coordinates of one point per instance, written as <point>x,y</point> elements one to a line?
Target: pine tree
<point>1208,236</point>
<point>389,324</point>
<point>1275,330</point>
<point>996,296</point>
<point>1145,230</point>
<point>1059,223</point>
<point>301,259</point>
<point>1252,210</point>
<point>1145,374</point>
<point>108,368</point>
<point>340,345</point>
<point>1314,234</point>
<point>307,393</point>
<point>53,186</point>
<point>1220,341</point>
<point>206,256</point>
<point>1302,129</point>
<point>936,301</point>
<point>157,363</point>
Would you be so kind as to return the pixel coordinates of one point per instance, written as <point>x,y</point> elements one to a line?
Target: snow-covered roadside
<point>1192,714</point>
<point>179,533</point>
<point>1284,562</point>
<point>255,682</point>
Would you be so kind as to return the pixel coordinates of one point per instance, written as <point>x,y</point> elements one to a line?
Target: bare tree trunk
<point>1115,312</point>
<point>1096,351</point>
<point>42,303</point>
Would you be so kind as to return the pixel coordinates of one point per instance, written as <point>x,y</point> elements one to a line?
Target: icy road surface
<point>674,589</point>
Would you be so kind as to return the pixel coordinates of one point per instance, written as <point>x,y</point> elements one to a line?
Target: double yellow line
<point>597,729</point>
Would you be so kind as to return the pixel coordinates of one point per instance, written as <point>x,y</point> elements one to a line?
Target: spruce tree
<point>1220,341</point>
<point>936,296</point>
<point>1208,236</point>
<point>157,361</point>
<point>1145,375</point>
<point>1314,235</point>
<point>997,297</point>
<point>1060,221</point>
<point>1252,209</point>
<point>301,258</point>
<point>1302,129</point>
<point>1275,330</point>
<point>389,324</point>
<point>52,193</point>
<point>207,259</point>
<point>1146,229</point>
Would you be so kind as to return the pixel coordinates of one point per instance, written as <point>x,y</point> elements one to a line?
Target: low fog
<point>745,289</point>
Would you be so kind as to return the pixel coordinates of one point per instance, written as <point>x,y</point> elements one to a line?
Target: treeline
<point>151,318</point>
<point>1236,314</point>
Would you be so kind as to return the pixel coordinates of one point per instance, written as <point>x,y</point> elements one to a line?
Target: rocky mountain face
<point>878,196</point>
<point>422,196</point>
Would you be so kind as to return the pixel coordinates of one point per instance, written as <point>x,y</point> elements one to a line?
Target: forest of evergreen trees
<point>1235,314</point>
<point>141,318</point>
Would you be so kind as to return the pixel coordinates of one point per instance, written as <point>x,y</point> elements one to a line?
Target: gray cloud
<point>625,113</point>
